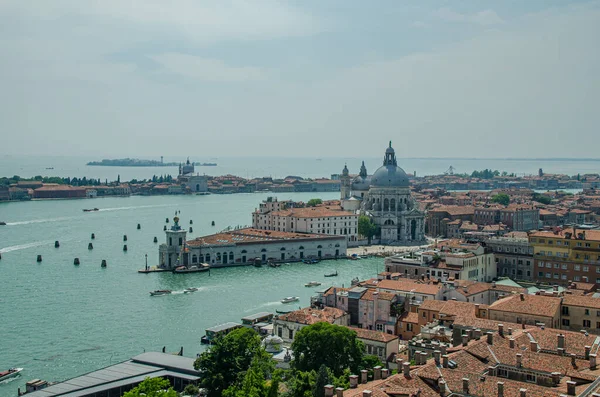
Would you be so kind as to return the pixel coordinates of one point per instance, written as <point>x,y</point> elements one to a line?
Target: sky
<point>305,78</point>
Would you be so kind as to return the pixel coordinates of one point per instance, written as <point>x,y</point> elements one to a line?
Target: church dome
<point>389,174</point>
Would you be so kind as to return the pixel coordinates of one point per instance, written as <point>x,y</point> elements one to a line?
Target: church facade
<point>385,197</point>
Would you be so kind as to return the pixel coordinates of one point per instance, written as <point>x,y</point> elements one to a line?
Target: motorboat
<point>273,264</point>
<point>90,209</point>
<point>290,299</point>
<point>312,284</point>
<point>10,373</point>
<point>283,311</point>
<point>204,267</point>
<point>191,289</point>
<point>332,274</point>
<point>159,292</point>
<point>2,223</point>
<point>311,261</point>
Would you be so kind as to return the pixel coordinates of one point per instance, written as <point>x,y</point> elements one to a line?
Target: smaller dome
<point>360,183</point>
<point>273,344</point>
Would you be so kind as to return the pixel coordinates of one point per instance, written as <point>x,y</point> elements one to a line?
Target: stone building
<point>385,197</point>
<point>514,255</point>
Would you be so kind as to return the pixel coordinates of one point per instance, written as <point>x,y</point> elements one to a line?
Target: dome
<point>272,344</point>
<point>389,176</point>
<point>360,183</point>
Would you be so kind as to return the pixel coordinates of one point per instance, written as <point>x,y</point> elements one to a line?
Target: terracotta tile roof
<point>469,288</point>
<point>314,212</point>
<point>545,306</point>
<point>373,335</point>
<point>410,317</point>
<point>311,316</point>
<point>581,301</point>
<point>369,295</point>
<point>455,209</point>
<point>450,308</point>
<point>254,236</point>
<point>592,235</point>
<point>409,285</point>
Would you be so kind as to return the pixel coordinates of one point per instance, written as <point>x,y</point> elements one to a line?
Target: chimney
<point>587,352</point>
<point>377,372</point>
<point>511,343</point>
<point>445,361</point>
<point>399,365</point>
<point>385,373</point>
<point>571,387</point>
<point>500,389</point>
<point>328,390</point>
<point>560,351</point>
<point>442,387</point>
<point>364,376</point>
<point>339,392</point>
<point>406,369</point>
<point>519,360</point>
<point>533,346</point>
<point>436,356</point>
<point>522,295</point>
<point>465,383</point>
<point>555,287</point>
<point>573,358</point>
<point>367,393</point>
<point>353,381</point>
<point>555,378</point>
<point>477,333</point>
<point>490,337</point>
<point>522,392</point>
<point>418,357</point>
<point>510,331</point>
<point>465,339</point>
<point>423,358</point>
<point>593,361</point>
<point>561,340</point>
<point>501,329</point>
<point>443,348</point>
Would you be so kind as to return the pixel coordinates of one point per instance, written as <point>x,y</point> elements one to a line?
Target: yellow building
<point>566,255</point>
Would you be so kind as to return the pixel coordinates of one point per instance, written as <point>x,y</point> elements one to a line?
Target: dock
<point>152,269</point>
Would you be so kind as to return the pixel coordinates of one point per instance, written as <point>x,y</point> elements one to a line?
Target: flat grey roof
<point>151,364</point>
<point>257,316</point>
<point>223,327</point>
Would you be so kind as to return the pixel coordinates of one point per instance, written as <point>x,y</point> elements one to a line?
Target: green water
<point>59,320</point>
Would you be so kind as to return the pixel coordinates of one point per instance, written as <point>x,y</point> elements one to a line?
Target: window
<point>586,268</point>
<point>291,334</point>
<point>577,268</point>
<point>587,323</point>
<point>566,322</point>
<point>556,275</point>
<point>409,327</point>
<point>379,327</point>
<point>597,324</point>
<point>563,277</point>
<point>556,265</point>
<point>549,265</point>
<point>548,275</point>
<point>530,378</point>
<point>565,310</point>
<point>564,266</point>
<point>280,332</point>
<point>577,278</point>
<point>540,264</point>
<point>587,312</point>
<point>503,373</point>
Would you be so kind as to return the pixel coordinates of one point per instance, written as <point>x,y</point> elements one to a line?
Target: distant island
<point>140,163</point>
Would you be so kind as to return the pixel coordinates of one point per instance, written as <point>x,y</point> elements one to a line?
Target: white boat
<point>188,290</point>
<point>10,373</point>
<point>312,284</point>
<point>160,292</point>
<point>290,299</point>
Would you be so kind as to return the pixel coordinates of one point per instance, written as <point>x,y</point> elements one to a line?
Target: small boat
<point>283,311</point>
<point>90,209</point>
<point>159,292</point>
<point>49,168</point>
<point>257,262</point>
<point>312,284</point>
<point>212,223</point>
<point>204,267</point>
<point>10,373</point>
<point>2,223</point>
<point>271,264</point>
<point>310,261</point>
<point>290,299</point>
<point>191,289</point>
<point>332,274</point>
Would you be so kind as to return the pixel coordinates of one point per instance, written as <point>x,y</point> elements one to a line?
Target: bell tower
<point>345,184</point>
<point>175,245</point>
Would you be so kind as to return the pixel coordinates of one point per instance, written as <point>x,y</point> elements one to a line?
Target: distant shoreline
<point>139,163</point>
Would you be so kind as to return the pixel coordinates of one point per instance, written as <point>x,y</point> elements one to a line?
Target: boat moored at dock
<point>290,299</point>
<point>203,267</point>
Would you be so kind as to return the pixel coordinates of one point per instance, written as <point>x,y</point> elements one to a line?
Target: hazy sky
<point>476,78</point>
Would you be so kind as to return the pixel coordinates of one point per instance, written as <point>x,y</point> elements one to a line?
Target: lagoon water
<point>59,320</point>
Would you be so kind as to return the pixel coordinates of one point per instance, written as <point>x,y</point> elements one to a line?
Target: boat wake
<point>24,246</point>
<point>38,221</point>
<point>134,207</point>
<point>267,304</point>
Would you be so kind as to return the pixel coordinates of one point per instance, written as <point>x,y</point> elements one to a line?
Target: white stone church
<point>385,197</point>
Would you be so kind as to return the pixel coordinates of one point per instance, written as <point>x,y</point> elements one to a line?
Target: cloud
<point>484,18</point>
<point>204,69</point>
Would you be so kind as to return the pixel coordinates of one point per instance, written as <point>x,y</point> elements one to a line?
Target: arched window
<point>318,246</point>
<point>393,205</point>
<point>194,258</point>
<point>201,258</point>
<point>301,247</point>
<point>263,250</point>
<point>244,251</point>
<point>282,249</point>
<point>218,256</point>
<point>207,258</point>
<point>231,255</point>
<point>388,222</point>
<point>386,205</point>
<point>337,245</point>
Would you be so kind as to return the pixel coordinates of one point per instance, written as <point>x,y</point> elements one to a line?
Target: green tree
<point>322,380</point>
<point>366,227</point>
<point>226,363</point>
<point>331,345</point>
<point>501,198</point>
<point>191,390</point>
<point>540,198</point>
<point>314,202</point>
<point>254,382</point>
<point>301,384</point>
<point>369,361</point>
<point>152,387</point>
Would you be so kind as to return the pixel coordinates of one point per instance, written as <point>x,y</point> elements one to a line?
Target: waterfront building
<point>514,255</point>
<point>287,325</point>
<point>117,379</point>
<point>247,246</point>
<point>566,255</point>
<point>51,191</point>
<point>386,198</point>
<point>327,218</point>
